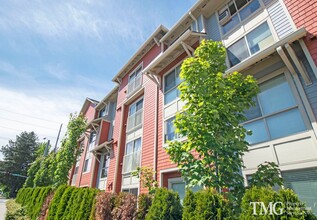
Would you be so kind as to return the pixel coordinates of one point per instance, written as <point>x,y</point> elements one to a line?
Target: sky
<point>55,53</point>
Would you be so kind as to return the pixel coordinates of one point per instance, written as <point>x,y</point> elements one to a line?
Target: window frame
<point>241,22</point>
<point>140,66</point>
<point>244,37</point>
<point>299,105</point>
<point>106,162</point>
<point>133,152</point>
<point>142,115</point>
<point>179,64</point>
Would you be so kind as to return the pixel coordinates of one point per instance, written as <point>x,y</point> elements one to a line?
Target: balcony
<point>131,162</point>
<point>134,84</point>
<point>135,120</point>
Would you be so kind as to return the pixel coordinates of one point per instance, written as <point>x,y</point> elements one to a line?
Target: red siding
<point>104,132</point>
<point>304,15</point>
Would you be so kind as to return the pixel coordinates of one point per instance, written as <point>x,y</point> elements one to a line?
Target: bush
<point>32,199</point>
<point>144,204</point>
<point>44,209</point>
<point>205,204</point>
<point>166,205</point>
<point>15,211</point>
<point>125,207</point>
<point>105,203</point>
<point>52,210</point>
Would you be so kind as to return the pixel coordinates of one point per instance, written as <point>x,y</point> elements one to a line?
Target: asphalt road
<point>2,209</point>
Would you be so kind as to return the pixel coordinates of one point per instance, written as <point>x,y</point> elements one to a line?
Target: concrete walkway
<point>2,209</point>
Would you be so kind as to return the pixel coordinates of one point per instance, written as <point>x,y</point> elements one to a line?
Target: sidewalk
<point>2,208</point>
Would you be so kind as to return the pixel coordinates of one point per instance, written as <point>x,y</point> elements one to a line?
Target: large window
<point>169,130</point>
<point>88,159</point>
<point>135,80</point>
<point>304,183</point>
<point>132,156</point>
<point>171,82</point>
<point>105,160</point>
<point>104,111</point>
<point>235,12</point>
<point>135,115</point>
<point>276,113</point>
<point>258,39</point>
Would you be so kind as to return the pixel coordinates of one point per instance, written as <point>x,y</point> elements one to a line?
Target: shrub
<point>63,203</point>
<point>205,204</point>
<point>15,211</point>
<point>144,204</point>
<point>86,204</point>
<point>105,203</point>
<point>125,206</point>
<point>52,210</point>
<point>44,209</point>
<point>189,206</point>
<point>166,205</point>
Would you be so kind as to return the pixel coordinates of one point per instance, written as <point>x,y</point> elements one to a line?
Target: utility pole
<point>59,132</point>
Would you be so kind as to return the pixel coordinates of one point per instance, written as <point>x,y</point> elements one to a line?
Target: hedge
<point>165,205</point>
<point>32,199</point>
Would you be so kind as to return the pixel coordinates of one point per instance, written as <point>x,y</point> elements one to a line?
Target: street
<point>2,208</point>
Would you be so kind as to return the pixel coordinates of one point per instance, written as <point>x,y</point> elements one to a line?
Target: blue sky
<point>54,54</point>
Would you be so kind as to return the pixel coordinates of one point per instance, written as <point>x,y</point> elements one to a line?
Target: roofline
<point>114,90</point>
<point>88,100</point>
<point>158,29</point>
<point>182,19</point>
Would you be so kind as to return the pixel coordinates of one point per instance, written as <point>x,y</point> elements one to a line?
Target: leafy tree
<point>146,176</point>
<point>18,155</point>
<point>268,174</point>
<point>214,108</point>
<point>69,151</point>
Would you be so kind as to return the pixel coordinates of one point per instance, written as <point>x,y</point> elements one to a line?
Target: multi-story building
<point>273,40</point>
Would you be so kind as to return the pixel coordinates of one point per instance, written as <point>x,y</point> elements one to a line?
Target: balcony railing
<point>131,161</point>
<point>135,120</point>
<point>134,84</point>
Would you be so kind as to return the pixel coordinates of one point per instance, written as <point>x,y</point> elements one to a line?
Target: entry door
<point>177,185</point>
<point>103,171</point>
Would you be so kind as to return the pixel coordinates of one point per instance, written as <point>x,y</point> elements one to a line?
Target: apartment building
<point>273,40</point>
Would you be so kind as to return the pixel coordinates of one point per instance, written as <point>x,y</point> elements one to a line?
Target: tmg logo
<point>275,208</point>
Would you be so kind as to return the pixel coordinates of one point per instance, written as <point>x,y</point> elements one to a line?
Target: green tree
<point>214,108</point>
<point>67,154</point>
<point>18,155</point>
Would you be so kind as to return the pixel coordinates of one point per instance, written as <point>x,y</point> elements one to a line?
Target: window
<point>171,82</point>
<point>134,191</point>
<point>104,166</point>
<point>276,113</point>
<point>135,115</point>
<point>132,155</point>
<point>88,158</point>
<point>235,12</point>
<point>178,185</point>
<point>258,39</point>
<point>135,80</point>
<point>103,112</point>
<point>304,183</point>
<point>170,130</point>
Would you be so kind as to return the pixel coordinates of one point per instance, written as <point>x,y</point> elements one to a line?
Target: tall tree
<point>214,108</point>
<point>18,155</point>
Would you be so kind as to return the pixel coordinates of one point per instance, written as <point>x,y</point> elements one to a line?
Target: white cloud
<point>17,107</point>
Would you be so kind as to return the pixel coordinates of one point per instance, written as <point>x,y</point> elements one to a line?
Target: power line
<point>30,116</point>
<point>27,123</point>
<point>23,130</point>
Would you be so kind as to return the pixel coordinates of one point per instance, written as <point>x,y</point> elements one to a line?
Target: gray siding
<point>280,20</point>
<point>212,28</point>
<point>311,90</point>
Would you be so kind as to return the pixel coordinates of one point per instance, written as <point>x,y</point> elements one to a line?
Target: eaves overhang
<point>182,44</point>
<point>146,46</point>
<point>110,96</point>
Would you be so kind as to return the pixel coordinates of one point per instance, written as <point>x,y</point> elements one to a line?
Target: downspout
<point>196,22</point>
<point>118,151</point>
<point>156,133</point>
